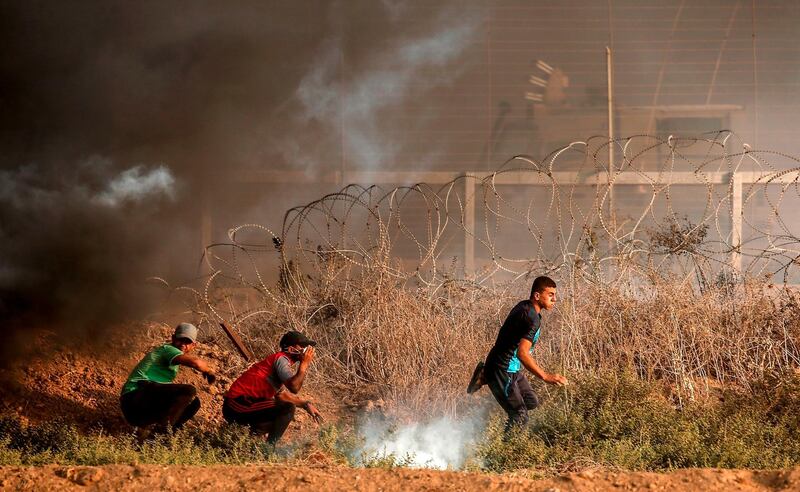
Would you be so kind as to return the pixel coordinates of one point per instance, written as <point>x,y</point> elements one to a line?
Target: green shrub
<point>61,443</point>
<point>607,420</point>
<point>622,421</point>
<point>8,455</point>
<point>339,444</point>
<point>387,461</point>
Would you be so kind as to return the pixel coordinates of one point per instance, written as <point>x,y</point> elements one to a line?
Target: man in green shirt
<point>149,399</point>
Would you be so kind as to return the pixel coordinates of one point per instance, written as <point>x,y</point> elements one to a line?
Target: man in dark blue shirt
<point>512,351</point>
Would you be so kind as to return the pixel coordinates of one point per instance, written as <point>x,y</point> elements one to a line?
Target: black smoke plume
<point>118,120</point>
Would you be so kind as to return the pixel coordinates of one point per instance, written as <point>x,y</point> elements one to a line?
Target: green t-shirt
<point>156,366</point>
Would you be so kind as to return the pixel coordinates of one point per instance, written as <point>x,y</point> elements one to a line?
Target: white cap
<point>186,330</point>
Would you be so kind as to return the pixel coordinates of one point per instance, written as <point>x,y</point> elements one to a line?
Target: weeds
<point>610,420</point>
<point>59,442</point>
<point>338,444</point>
<point>632,424</point>
<point>387,461</point>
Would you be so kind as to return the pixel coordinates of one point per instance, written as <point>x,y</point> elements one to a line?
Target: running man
<point>512,351</point>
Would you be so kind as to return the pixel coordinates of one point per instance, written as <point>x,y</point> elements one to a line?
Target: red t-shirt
<point>255,382</point>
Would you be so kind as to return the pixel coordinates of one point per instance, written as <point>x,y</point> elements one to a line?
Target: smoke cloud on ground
<point>441,443</point>
<point>121,120</point>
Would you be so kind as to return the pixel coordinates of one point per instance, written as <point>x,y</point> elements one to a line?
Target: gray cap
<point>186,330</point>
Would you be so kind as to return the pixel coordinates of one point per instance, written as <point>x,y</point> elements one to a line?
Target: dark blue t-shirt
<point>522,322</point>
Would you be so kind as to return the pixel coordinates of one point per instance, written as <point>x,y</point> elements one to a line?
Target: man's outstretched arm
<point>295,400</point>
<point>195,363</point>
<point>525,357</point>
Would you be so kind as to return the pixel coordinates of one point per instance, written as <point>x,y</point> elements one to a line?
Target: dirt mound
<point>223,478</point>
<point>82,385</point>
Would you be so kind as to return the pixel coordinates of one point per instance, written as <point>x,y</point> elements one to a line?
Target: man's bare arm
<point>193,362</point>
<point>524,356</point>
<point>295,383</point>
<point>290,397</point>
<point>300,402</point>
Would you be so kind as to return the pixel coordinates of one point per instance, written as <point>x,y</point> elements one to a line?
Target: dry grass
<point>652,293</point>
<point>416,346</point>
<point>675,333</point>
<point>394,343</point>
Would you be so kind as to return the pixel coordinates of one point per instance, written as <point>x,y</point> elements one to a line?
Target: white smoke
<point>404,68</point>
<point>442,443</point>
<point>136,184</point>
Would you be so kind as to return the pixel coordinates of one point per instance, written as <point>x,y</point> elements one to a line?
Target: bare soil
<point>82,386</point>
<point>244,478</point>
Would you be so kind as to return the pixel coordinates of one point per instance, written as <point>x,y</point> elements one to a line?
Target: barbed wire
<point>707,208</point>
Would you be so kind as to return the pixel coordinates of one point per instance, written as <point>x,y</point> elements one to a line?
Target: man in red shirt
<point>259,397</point>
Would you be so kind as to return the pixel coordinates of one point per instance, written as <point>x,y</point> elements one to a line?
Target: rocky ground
<point>277,477</point>
<point>82,386</point>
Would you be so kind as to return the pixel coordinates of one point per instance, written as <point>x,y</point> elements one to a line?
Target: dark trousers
<point>160,405</point>
<point>514,393</point>
<point>271,420</point>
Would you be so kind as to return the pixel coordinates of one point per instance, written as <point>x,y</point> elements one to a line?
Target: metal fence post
<point>469,224</point>
<point>736,222</point>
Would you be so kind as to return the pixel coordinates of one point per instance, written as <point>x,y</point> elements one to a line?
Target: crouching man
<point>149,399</point>
<point>265,396</point>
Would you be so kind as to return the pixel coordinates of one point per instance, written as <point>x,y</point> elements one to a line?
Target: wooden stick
<point>236,341</point>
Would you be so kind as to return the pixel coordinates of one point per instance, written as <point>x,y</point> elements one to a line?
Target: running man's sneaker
<point>477,380</point>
